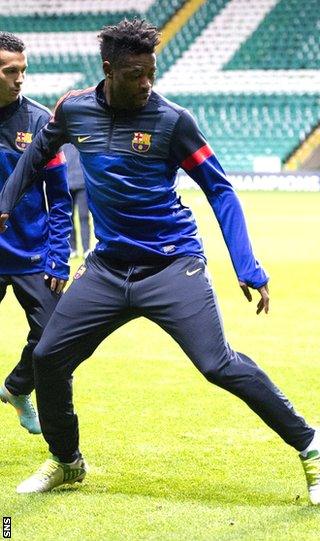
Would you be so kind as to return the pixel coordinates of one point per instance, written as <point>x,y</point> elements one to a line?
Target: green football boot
<point>52,474</point>
<point>311,466</point>
<point>22,403</point>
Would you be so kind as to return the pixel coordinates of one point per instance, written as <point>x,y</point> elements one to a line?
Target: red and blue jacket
<point>130,161</point>
<point>37,236</point>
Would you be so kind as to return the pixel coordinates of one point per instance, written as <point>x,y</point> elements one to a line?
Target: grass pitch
<point>173,457</point>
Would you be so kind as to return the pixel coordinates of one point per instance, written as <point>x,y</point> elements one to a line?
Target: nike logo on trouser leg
<point>191,273</point>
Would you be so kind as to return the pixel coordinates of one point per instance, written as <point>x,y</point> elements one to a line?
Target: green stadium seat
<point>287,38</point>
<point>243,127</point>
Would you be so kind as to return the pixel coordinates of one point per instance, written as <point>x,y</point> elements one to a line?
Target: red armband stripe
<point>197,158</point>
<point>59,159</point>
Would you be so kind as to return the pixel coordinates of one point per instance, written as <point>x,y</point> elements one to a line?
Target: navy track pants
<point>38,302</point>
<point>178,296</point>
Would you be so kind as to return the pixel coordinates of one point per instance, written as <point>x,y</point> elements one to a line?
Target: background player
<point>79,200</point>
<point>34,250</point>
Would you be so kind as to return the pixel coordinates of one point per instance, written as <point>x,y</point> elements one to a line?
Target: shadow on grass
<point>208,494</point>
<point>218,489</point>
<point>189,490</point>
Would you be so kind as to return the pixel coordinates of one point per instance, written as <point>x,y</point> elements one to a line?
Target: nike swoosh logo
<point>82,139</point>
<point>191,273</point>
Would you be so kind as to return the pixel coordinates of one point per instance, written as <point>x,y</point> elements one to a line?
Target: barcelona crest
<point>141,141</point>
<point>23,139</point>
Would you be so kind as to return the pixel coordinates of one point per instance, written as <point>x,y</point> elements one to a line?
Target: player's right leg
<point>14,391</point>
<point>94,305</point>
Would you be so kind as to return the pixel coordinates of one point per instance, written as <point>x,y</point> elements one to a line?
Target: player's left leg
<point>181,300</point>
<point>38,302</point>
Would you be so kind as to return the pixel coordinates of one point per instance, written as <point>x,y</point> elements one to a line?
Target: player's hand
<point>263,303</point>
<point>55,284</point>
<point>3,219</point>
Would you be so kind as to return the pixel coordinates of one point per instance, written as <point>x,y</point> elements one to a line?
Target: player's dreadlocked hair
<point>10,42</point>
<point>127,37</point>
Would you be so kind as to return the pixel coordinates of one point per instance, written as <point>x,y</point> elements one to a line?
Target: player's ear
<point>107,69</point>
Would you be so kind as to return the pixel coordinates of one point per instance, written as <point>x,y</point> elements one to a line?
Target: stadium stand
<point>249,110</point>
<point>298,47</point>
<point>244,127</point>
<point>212,36</point>
<point>183,39</point>
<point>248,69</point>
<point>61,37</point>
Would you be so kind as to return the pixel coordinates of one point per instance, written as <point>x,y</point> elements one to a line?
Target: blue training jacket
<point>37,237</point>
<point>130,161</point>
